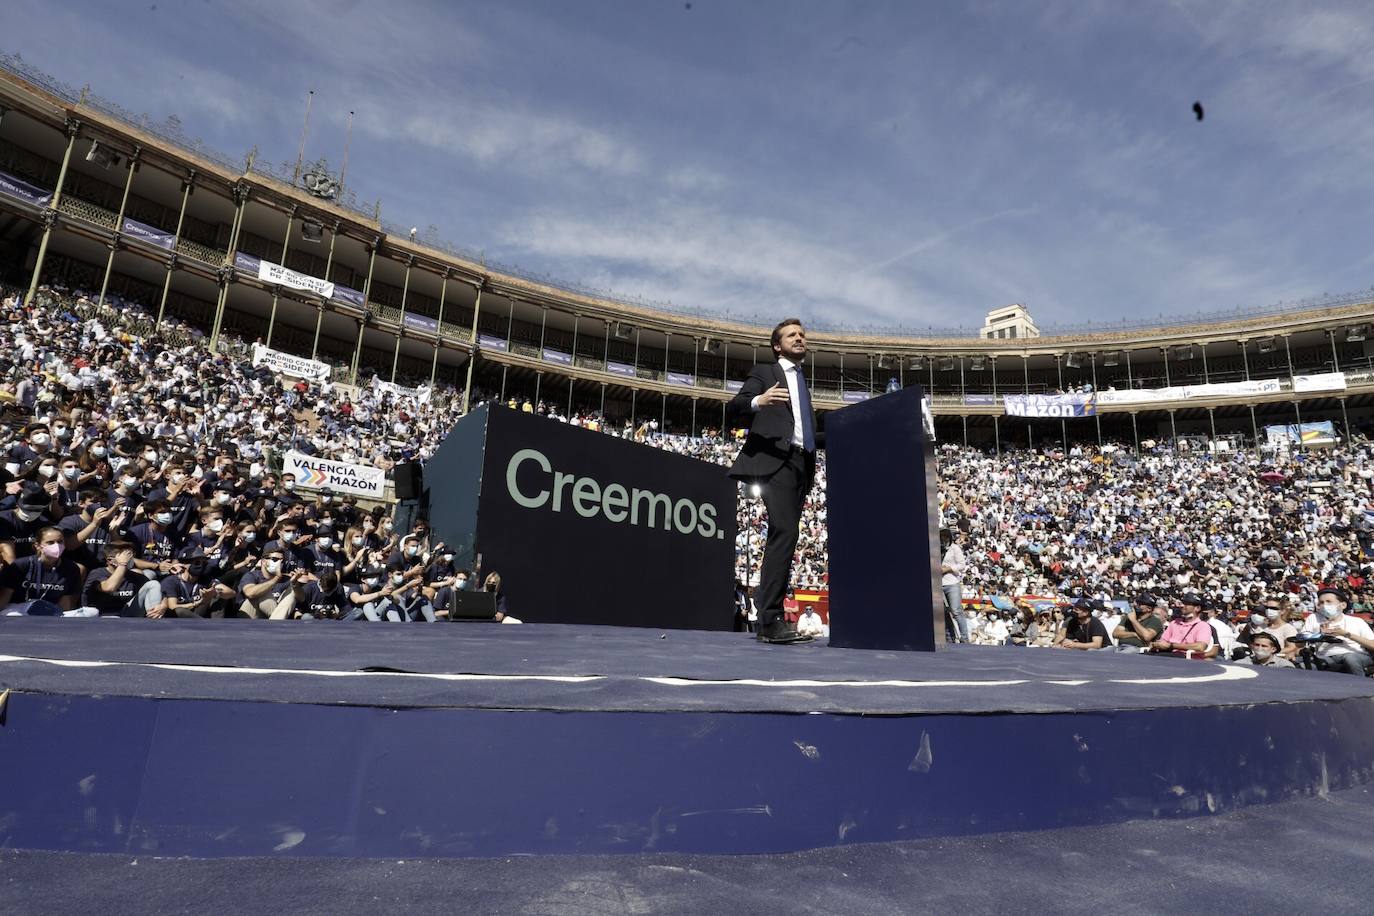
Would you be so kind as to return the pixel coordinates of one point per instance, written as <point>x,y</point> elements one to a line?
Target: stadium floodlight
<point>102,156</point>
<point>623,331</point>
<point>1356,332</point>
<point>312,231</point>
<point>977,363</point>
<point>710,347</point>
<point>1111,358</point>
<point>1265,345</point>
<point>946,364</point>
<point>1074,361</point>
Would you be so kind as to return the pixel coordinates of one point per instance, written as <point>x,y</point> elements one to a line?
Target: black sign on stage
<point>584,527</point>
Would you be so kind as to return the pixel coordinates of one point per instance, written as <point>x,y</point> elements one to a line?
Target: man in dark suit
<point>780,456</point>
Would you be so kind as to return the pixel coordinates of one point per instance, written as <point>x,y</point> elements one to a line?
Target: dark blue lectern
<point>883,515</point>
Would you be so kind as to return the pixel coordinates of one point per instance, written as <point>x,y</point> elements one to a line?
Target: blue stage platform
<point>237,738</point>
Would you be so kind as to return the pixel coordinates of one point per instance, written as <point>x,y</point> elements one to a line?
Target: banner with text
<point>557,356</point>
<point>854,397</point>
<point>621,369</point>
<point>26,192</point>
<point>150,234</point>
<point>286,364</point>
<point>682,378</point>
<point>1056,406</point>
<point>423,322</point>
<point>285,276</point>
<point>1188,392</point>
<point>338,476</point>
<point>1326,381</point>
<point>488,342</point>
<point>733,386</point>
<point>1322,433</point>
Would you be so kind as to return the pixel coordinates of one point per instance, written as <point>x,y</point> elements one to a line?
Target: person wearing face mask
<point>187,592</point>
<point>213,540</point>
<point>268,590</point>
<point>155,542</point>
<point>90,528</point>
<point>324,599</point>
<point>45,584</point>
<point>407,558</point>
<point>20,525</point>
<point>1187,634</point>
<point>407,601</point>
<point>365,599</point>
<point>113,590</point>
<point>441,580</point>
<point>1264,652</point>
<point>286,491</point>
<point>70,481</point>
<point>128,486</point>
<point>492,584</point>
<point>1348,649</point>
<point>37,442</point>
<point>179,492</point>
<point>324,553</point>
<point>289,540</point>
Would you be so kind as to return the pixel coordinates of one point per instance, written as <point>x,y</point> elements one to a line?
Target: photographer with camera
<point>1346,641</point>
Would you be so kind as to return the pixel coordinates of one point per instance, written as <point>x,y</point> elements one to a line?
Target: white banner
<point>420,394</point>
<point>1327,381</point>
<point>286,364</point>
<point>285,276</point>
<point>338,476</point>
<point>1187,392</point>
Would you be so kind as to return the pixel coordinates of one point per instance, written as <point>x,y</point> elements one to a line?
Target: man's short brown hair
<point>777,331</point>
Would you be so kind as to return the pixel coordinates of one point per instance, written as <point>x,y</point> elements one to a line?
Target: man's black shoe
<point>781,635</point>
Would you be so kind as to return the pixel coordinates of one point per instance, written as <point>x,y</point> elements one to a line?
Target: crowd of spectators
<point>142,474</point>
<point>142,477</point>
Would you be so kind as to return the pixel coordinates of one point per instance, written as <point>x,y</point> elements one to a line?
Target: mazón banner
<point>338,476</point>
<point>1055,406</point>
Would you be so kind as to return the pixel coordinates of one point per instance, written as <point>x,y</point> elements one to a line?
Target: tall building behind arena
<point>93,198</point>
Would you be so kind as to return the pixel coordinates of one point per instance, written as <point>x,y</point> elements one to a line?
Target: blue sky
<point>861,164</point>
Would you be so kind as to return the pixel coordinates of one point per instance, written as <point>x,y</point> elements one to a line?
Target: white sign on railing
<point>286,364</point>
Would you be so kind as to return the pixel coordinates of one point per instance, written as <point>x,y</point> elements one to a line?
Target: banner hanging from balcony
<point>26,192</point>
<point>854,397</point>
<point>1056,406</point>
<point>339,476</point>
<point>422,322</point>
<point>1189,392</point>
<point>489,342</point>
<point>1326,381</point>
<point>682,378</point>
<point>276,274</point>
<point>150,234</point>
<point>557,356</point>
<point>622,369</point>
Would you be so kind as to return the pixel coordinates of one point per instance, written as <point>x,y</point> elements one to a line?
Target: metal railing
<point>81,209</point>
<point>203,253</point>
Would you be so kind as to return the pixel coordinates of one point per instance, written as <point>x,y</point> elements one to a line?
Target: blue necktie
<point>804,405</point>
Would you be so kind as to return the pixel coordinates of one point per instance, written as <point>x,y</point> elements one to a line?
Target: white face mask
<point>249,537</point>
<point>289,485</point>
<point>28,515</point>
<point>221,497</point>
<point>216,525</point>
<point>273,567</point>
<point>325,543</point>
<point>370,583</point>
<point>39,439</point>
<point>47,470</point>
<point>97,451</point>
<point>288,537</point>
<point>358,542</point>
<point>129,482</point>
<point>163,518</point>
<point>398,578</point>
<point>1261,654</point>
<point>71,473</point>
<point>150,456</point>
